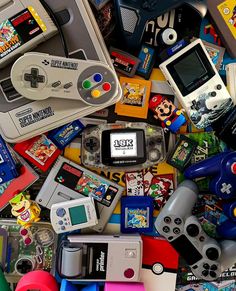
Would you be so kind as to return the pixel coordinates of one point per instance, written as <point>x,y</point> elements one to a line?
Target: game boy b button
<point>60,222</point>
<point>97,77</point>
<point>60,212</point>
<point>129,273</point>
<point>34,78</point>
<point>213,94</point>
<point>96,93</point>
<point>219,87</point>
<point>86,84</point>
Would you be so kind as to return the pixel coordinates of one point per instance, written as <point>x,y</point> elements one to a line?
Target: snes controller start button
<point>233,168</point>
<point>129,273</point>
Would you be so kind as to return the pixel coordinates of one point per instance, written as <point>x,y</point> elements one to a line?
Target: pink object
<point>37,280</point>
<point>110,286</point>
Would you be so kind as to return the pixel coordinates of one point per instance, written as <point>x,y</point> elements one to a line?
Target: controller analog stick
<point>212,254</point>
<point>193,230</point>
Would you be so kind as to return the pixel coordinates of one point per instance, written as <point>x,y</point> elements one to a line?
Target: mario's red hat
<point>155,101</point>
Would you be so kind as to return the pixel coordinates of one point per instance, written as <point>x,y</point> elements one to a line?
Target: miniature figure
<point>25,210</point>
<point>171,117</point>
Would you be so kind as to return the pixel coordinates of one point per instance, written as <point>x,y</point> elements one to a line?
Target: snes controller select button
<point>233,168</point>
<point>129,273</point>
<point>96,93</point>
<point>34,78</point>
<point>212,254</point>
<point>56,84</point>
<point>192,230</point>
<point>60,212</point>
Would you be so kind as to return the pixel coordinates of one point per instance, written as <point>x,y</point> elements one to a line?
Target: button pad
<point>34,78</point>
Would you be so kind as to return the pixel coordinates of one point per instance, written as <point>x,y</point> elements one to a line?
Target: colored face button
<point>129,273</point>
<point>233,168</point>
<point>106,86</point>
<point>96,93</point>
<point>86,84</point>
<point>97,77</point>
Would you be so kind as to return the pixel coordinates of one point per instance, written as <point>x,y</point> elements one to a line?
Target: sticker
<point>41,149</point>
<point>134,184</point>
<point>137,217</point>
<point>227,10</point>
<point>181,156</point>
<point>86,184</point>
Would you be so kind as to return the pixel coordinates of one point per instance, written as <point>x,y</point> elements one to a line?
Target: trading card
<point>135,99</point>
<point>134,184</point>
<point>182,154</point>
<point>41,149</point>
<point>162,187</point>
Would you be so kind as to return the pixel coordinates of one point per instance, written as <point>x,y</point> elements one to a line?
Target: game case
<point>135,97</point>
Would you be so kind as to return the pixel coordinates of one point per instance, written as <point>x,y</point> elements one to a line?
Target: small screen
<point>123,144</point>
<point>187,250</point>
<point>78,215</point>
<point>17,30</point>
<point>190,69</point>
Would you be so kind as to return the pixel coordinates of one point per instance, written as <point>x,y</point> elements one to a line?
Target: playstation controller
<point>222,169</point>
<point>133,16</point>
<point>38,76</point>
<point>206,257</point>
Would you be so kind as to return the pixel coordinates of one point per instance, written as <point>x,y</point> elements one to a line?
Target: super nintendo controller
<point>206,257</point>
<point>197,84</point>
<point>40,76</point>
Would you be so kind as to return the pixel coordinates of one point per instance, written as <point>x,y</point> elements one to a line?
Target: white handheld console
<point>231,79</point>
<point>23,24</point>
<point>197,84</point>
<point>39,76</point>
<point>72,215</point>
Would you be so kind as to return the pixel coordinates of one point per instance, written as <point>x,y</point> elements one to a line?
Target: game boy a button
<point>97,77</point>
<point>34,77</point>
<point>60,222</point>
<point>60,212</point>
<point>218,87</point>
<point>129,273</point>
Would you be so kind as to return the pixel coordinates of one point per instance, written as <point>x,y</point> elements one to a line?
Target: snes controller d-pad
<point>206,257</point>
<point>39,76</point>
<point>222,169</point>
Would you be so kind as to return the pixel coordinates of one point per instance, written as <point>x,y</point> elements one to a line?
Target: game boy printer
<point>100,258</point>
<point>22,118</point>
<point>69,181</point>
<point>197,84</point>
<point>123,146</point>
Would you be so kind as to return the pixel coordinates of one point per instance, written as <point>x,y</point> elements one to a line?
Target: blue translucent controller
<point>222,169</point>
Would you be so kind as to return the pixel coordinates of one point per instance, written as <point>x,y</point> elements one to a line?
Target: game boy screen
<point>123,144</point>
<point>190,68</point>
<point>78,215</point>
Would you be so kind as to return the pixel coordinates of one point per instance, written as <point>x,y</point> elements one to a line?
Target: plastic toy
<point>222,169</point>
<point>206,257</point>
<point>25,210</point>
<point>171,117</point>
<point>227,229</point>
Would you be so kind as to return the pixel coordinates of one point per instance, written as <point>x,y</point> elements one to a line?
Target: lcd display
<point>190,68</point>
<point>78,215</point>
<point>123,144</point>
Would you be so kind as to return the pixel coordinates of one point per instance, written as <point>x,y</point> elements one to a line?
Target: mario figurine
<point>171,117</point>
<point>26,211</point>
